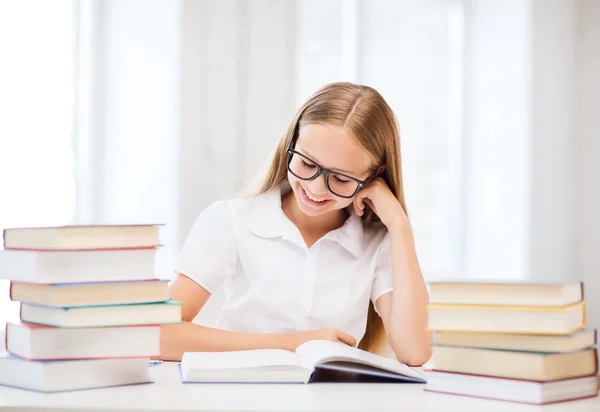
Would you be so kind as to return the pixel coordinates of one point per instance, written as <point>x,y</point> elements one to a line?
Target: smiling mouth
<point>313,200</point>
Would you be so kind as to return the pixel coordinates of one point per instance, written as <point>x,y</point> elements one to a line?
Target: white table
<point>168,393</point>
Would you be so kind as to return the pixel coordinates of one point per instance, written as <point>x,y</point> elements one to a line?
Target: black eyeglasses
<point>340,184</point>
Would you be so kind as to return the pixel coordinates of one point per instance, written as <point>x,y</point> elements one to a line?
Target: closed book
<point>516,293</point>
<point>99,316</point>
<point>533,366</point>
<point>531,392</point>
<point>58,376</point>
<point>281,366</point>
<point>90,293</point>
<point>36,342</point>
<point>508,319</point>
<point>519,341</point>
<point>77,266</point>
<point>75,237</point>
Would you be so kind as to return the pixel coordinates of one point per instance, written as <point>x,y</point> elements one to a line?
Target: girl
<point>323,250</point>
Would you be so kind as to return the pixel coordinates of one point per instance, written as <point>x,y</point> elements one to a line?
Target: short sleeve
<point>209,255</point>
<point>382,279</point>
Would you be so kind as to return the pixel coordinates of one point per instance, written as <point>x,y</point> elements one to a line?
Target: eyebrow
<point>335,170</point>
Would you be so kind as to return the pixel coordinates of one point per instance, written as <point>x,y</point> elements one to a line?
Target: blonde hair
<point>365,114</point>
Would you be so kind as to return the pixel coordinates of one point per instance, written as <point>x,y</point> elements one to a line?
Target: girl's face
<point>332,148</point>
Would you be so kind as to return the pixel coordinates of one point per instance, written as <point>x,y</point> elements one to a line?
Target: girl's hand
<point>380,198</point>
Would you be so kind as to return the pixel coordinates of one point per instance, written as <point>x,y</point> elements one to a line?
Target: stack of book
<point>519,342</point>
<point>91,306</point>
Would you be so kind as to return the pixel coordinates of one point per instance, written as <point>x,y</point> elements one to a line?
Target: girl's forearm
<point>409,336</point>
<point>189,337</point>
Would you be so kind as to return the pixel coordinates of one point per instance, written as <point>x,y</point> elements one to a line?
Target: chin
<point>313,209</point>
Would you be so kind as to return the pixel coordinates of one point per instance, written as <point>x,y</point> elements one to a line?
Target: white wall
<point>497,138</point>
<point>554,28</point>
<point>586,155</point>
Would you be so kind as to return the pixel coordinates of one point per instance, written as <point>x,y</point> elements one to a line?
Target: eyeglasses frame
<point>325,172</point>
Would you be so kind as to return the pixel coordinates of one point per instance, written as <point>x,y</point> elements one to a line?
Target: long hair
<point>364,113</point>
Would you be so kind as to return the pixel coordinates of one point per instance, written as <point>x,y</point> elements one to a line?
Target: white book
<point>277,365</point>
<point>38,342</point>
<point>77,265</point>
<point>56,376</point>
<point>514,390</point>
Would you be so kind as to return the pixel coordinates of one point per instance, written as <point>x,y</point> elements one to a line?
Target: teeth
<point>313,199</point>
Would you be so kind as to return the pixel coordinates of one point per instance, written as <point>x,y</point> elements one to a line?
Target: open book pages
<point>275,365</point>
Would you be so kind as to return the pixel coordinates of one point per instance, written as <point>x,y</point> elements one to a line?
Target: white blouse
<point>273,282</point>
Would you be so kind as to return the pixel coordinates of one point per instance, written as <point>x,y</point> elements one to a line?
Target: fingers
<point>359,203</point>
<point>346,338</point>
<point>357,206</point>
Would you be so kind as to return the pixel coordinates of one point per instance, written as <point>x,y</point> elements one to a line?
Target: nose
<point>317,186</point>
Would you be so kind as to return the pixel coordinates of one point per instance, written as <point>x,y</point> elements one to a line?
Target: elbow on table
<point>415,357</point>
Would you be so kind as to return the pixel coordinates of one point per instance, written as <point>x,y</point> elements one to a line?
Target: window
<point>411,52</point>
<point>37,186</point>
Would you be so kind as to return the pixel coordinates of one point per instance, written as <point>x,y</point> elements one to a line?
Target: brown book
<point>90,294</point>
<point>535,366</point>
<point>508,319</point>
<point>82,237</point>
<point>507,293</point>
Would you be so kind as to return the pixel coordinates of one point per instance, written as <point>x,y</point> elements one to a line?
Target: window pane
<point>36,159</point>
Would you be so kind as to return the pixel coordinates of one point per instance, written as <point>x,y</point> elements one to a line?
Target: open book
<point>277,365</point>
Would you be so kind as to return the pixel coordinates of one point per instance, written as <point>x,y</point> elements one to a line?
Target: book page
<point>320,352</point>
<point>241,359</point>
